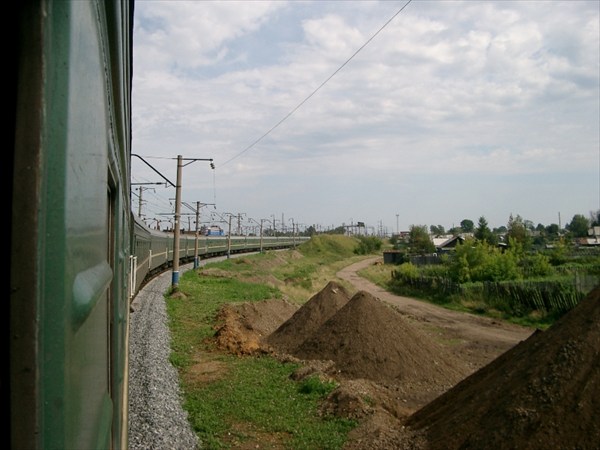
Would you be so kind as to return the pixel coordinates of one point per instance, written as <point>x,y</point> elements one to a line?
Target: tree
<point>483,232</point>
<point>517,232</point>
<point>419,241</point>
<point>595,218</point>
<point>455,231</point>
<point>437,230</point>
<point>579,226</point>
<point>310,231</point>
<point>467,226</point>
<point>552,229</point>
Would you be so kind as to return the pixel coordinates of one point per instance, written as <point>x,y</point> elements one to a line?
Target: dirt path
<point>476,340</point>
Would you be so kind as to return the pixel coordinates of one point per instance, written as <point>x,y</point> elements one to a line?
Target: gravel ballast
<point>156,418</point>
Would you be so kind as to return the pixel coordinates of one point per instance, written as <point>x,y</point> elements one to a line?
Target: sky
<point>390,113</point>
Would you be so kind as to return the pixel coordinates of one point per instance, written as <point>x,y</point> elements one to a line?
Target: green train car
<point>78,255</point>
<point>70,236</point>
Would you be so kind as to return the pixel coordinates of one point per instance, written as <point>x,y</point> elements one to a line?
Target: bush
<point>479,261</point>
<point>406,270</point>
<point>368,244</point>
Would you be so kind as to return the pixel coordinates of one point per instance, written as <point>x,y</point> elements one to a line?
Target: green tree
<point>483,232</point>
<point>419,241</point>
<point>517,232</point>
<point>467,225</point>
<point>595,218</point>
<point>552,229</point>
<point>479,261</point>
<point>455,231</point>
<point>437,230</point>
<point>310,231</point>
<point>338,230</point>
<point>579,225</point>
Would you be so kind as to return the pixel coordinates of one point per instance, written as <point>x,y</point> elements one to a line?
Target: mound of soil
<point>307,320</point>
<point>405,388</point>
<point>243,326</point>
<point>543,393</point>
<point>370,339</point>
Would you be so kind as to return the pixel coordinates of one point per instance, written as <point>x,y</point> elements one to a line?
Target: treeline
<point>516,279</point>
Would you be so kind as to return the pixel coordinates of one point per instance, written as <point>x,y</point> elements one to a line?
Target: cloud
<point>446,89</point>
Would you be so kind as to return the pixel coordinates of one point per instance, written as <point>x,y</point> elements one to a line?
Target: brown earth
<point>417,376</point>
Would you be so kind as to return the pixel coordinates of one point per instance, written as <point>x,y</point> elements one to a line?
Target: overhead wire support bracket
<point>149,165</point>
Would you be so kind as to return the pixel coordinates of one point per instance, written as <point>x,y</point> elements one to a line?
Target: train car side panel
<point>76,323</point>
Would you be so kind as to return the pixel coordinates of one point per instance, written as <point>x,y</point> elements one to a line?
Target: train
<point>152,250</point>
<point>78,255</point>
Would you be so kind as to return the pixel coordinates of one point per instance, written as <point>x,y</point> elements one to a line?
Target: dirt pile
<point>307,320</point>
<point>370,339</point>
<point>543,393</point>
<point>243,326</point>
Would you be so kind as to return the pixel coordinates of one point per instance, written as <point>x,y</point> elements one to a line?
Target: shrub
<point>368,244</point>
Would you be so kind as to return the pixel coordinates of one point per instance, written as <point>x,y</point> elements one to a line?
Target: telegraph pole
<point>141,189</point>
<point>229,238</point>
<point>196,257</point>
<point>176,227</point>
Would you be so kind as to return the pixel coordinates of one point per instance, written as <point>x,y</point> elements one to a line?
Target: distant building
<point>447,242</point>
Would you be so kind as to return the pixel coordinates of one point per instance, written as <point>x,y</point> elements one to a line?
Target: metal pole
<point>196,262</point>
<point>229,239</point>
<point>261,235</point>
<point>176,227</point>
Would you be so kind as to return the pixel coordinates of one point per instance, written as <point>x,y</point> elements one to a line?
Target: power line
<point>318,88</point>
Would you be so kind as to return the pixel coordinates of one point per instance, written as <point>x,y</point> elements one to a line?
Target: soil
<point>417,376</point>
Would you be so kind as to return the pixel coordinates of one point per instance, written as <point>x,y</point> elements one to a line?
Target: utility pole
<point>141,189</point>
<point>229,238</point>
<point>196,262</point>
<point>293,232</point>
<point>176,226</point>
<point>261,232</point>
<point>196,257</point>
<point>176,231</point>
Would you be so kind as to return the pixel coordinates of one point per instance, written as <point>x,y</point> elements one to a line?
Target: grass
<point>252,398</point>
<point>258,393</point>
<point>381,275</point>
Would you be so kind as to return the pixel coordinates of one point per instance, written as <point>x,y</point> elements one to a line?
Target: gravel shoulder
<point>156,418</point>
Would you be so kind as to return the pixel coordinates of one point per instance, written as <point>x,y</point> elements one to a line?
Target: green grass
<point>258,393</point>
<point>253,397</point>
<point>381,275</point>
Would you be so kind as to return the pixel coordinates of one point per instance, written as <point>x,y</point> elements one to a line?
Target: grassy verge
<point>381,275</point>
<point>251,399</point>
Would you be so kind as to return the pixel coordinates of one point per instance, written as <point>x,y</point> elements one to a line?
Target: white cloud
<point>447,91</point>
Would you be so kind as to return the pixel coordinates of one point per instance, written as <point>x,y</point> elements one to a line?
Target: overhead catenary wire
<point>288,115</point>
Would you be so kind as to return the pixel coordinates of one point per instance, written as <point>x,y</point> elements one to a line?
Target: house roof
<point>447,241</point>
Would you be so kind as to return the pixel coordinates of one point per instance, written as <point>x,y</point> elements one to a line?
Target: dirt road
<point>476,340</point>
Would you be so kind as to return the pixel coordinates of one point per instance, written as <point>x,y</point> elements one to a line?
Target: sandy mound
<point>370,339</point>
<point>243,326</point>
<point>543,393</point>
<point>309,318</point>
